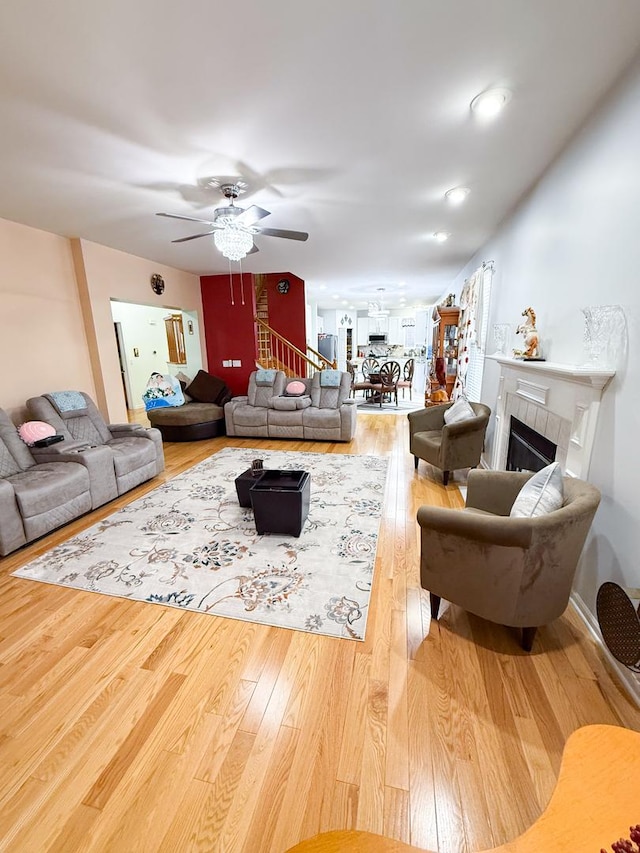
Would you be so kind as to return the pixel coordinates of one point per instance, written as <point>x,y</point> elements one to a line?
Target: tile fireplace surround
<point>559,401</point>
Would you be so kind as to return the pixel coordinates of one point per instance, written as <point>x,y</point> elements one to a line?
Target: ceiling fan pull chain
<point>231,283</point>
<point>241,281</point>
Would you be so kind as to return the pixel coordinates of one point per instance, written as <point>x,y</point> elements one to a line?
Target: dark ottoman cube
<point>280,502</point>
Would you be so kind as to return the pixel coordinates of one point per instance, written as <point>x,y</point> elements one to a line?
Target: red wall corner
<point>229,328</point>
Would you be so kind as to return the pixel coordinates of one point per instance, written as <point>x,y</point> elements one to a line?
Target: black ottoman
<point>280,502</point>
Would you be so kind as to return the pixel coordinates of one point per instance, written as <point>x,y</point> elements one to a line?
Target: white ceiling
<point>349,119</point>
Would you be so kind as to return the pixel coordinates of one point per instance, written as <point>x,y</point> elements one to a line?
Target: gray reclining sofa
<point>322,412</point>
<point>118,457</point>
<point>35,499</point>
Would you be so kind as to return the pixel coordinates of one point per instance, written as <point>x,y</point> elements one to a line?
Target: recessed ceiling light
<point>335,295</point>
<point>457,195</point>
<point>441,236</point>
<point>489,103</point>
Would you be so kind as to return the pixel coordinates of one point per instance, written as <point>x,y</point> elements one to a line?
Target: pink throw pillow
<point>33,431</point>
<point>295,389</point>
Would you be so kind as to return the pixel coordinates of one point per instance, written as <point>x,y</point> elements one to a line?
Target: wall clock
<point>157,284</point>
<point>283,285</point>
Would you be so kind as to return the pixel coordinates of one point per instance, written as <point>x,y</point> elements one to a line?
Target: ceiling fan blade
<point>251,215</point>
<point>194,236</point>
<point>188,218</point>
<point>253,250</point>
<point>279,232</point>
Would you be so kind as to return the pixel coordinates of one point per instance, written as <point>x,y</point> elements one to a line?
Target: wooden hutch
<point>444,345</point>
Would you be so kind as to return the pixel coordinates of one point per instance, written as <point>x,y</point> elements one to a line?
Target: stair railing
<point>327,363</point>
<point>277,352</point>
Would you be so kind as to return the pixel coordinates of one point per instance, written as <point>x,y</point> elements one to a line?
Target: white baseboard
<point>630,681</point>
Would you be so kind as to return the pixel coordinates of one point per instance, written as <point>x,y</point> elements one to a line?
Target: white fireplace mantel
<point>559,401</point>
<point>584,375</point>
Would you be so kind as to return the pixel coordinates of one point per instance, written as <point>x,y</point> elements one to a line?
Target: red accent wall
<point>287,310</point>
<point>229,329</point>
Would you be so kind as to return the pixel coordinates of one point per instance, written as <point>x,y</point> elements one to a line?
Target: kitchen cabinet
<point>362,332</point>
<point>395,333</point>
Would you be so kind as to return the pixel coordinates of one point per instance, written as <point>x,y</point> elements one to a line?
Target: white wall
<point>575,242</point>
<point>143,331</point>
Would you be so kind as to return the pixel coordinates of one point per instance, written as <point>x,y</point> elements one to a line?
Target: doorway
<point>124,373</point>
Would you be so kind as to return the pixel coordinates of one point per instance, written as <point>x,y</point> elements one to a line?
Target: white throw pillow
<point>460,411</point>
<point>542,494</point>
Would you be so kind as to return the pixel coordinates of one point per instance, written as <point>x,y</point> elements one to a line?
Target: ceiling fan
<point>234,228</point>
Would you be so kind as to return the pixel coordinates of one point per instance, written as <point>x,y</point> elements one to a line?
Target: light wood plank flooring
<point>127,726</point>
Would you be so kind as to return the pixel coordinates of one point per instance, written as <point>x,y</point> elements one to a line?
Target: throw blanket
<point>67,401</point>
<point>161,391</point>
<point>330,378</point>
<point>265,376</point>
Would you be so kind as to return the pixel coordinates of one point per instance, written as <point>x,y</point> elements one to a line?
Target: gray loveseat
<point>118,457</point>
<point>323,412</point>
<point>35,499</point>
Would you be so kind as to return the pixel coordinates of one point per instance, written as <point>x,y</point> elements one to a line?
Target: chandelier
<point>233,242</point>
<point>377,309</point>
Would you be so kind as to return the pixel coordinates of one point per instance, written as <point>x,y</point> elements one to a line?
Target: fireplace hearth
<point>528,450</point>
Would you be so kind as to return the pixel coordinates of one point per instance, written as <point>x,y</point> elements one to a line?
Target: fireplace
<point>528,450</point>
<point>557,402</point>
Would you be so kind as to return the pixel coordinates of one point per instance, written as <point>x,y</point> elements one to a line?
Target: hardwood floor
<point>127,726</point>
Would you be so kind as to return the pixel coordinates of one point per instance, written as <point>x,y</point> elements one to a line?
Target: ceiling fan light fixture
<point>457,195</point>
<point>489,103</point>
<point>234,243</point>
<point>441,236</point>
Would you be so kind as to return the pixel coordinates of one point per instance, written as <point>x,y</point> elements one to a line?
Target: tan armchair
<point>447,446</point>
<point>513,571</point>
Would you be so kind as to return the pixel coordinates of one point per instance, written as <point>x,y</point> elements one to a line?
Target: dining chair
<point>407,376</point>
<point>388,384</point>
<point>369,366</point>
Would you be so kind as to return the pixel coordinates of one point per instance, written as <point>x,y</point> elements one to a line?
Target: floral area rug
<point>189,544</point>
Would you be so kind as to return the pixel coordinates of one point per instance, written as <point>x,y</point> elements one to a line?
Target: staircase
<point>264,357</point>
<point>275,351</point>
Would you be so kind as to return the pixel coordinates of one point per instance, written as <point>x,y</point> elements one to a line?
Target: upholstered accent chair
<point>513,571</point>
<point>117,456</point>
<point>447,446</point>
<point>35,499</point>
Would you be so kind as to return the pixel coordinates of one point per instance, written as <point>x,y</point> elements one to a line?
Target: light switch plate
<point>236,362</point>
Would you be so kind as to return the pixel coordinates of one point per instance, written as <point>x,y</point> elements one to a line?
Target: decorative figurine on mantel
<point>531,351</point>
